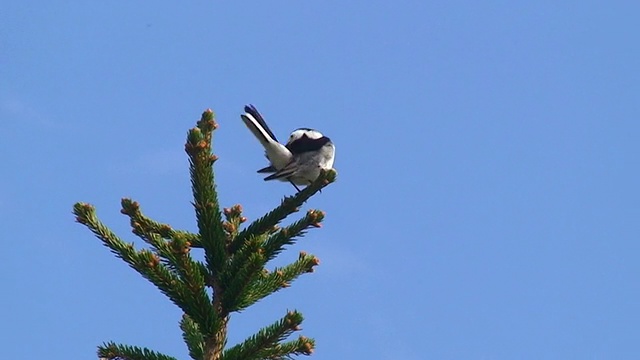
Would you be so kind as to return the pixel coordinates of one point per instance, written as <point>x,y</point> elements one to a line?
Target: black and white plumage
<point>300,160</point>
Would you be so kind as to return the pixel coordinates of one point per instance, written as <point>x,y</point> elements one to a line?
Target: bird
<point>300,160</point>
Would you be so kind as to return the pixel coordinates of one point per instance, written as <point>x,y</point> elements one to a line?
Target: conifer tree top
<point>234,274</point>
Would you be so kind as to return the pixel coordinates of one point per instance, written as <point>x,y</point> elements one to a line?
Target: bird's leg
<point>294,185</point>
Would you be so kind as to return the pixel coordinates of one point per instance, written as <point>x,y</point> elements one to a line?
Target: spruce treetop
<point>234,273</point>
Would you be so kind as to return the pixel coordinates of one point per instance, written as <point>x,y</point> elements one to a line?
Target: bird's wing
<point>282,174</point>
<point>268,169</point>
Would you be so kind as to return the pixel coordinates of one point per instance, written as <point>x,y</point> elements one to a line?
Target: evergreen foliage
<point>234,271</point>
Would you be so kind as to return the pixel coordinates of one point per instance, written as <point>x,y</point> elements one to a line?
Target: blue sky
<point>487,200</point>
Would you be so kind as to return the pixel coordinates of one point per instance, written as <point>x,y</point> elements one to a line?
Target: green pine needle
<point>276,280</point>
<point>286,236</point>
<point>288,206</point>
<point>237,294</point>
<point>115,351</point>
<point>140,221</point>
<point>265,344</point>
<point>192,337</point>
<point>192,301</point>
<point>208,215</point>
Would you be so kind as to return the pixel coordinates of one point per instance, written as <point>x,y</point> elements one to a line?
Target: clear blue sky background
<point>487,205</point>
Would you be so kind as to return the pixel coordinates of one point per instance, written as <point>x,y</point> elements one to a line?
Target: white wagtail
<point>300,160</point>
